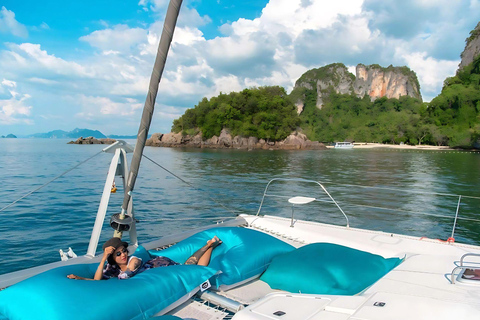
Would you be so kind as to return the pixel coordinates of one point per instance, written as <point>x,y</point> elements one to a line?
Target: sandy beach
<point>362,145</point>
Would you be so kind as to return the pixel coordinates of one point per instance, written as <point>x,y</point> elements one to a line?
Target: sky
<point>87,64</point>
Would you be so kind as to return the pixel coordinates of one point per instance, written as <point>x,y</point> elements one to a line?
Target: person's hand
<point>72,276</point>
<point>108,251</point>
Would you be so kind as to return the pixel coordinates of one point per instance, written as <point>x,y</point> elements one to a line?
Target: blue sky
<point>86,64</point>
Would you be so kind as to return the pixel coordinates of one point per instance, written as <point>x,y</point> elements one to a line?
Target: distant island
<point>74,134</point>
<point>9,136</point>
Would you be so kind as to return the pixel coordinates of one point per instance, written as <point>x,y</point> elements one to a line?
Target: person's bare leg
<point>206,250</point>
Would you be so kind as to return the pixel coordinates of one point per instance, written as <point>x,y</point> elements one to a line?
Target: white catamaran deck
<point>419,288</point>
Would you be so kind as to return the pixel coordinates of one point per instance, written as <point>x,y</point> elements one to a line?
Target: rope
<point>47,183</point>
<point>184,219</point>
<point>192,186</point>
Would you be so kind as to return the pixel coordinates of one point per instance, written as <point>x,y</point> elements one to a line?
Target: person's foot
<point>214,242</point>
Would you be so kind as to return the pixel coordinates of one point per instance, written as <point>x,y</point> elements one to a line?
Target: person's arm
<point>99,273</point>
<point>134,264</point>
<point>72,276</point>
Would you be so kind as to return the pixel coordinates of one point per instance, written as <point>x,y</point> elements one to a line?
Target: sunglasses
<point>119,253</point>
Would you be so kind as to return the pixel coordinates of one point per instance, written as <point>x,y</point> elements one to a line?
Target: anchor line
<point>47,183</point>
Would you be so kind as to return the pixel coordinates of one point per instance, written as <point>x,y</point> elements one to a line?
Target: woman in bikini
<point>121,265</point>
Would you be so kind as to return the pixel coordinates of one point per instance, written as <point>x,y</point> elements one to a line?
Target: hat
<point>114,242</point>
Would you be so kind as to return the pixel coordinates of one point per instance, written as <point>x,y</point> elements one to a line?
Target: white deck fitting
<point>248,293</point>
<point>198,311</point>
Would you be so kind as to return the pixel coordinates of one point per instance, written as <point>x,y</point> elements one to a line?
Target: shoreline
<point>368,145</point>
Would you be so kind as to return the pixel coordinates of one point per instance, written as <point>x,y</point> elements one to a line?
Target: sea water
<point>416,192</point>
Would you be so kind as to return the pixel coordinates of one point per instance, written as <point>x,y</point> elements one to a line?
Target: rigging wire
<point>400,190</point>
<point>349,204</point>
<point>186,219</point>
<point>47,183</point>
<point>192,186</point>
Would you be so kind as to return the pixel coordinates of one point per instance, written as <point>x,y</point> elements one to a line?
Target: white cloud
<point>93,107</point>
<point>169,112</point>
<point>14,109</point>
<point>293,17</point>
<point>154,5</point>
<point>430,71</point>
<point>30,58</point>
<point>227,84</point>
<point>8,83</point>
<point>119,38</point>
<point>8,24</point>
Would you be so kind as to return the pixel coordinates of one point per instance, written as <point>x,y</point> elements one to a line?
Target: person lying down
<point>122,266</point>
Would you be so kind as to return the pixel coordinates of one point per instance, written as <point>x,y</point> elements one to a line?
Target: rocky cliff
<point>92,140</point>
<point>373,80</point>
<point>472,48</point>
<point>295,141</point>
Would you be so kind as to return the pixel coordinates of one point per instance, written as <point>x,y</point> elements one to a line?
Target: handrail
<point>452,279</point>
<point>265,193</point>
<point>466,255</point>
<point>461,266</point>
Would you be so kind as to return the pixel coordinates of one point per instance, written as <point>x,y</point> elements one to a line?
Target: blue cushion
<point>325,268</point>
<point>51,295</point>
<point>142,253</point>
<point>245,253</point>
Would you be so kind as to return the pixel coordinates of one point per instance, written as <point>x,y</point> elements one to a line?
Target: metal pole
<point>456,215</point>
<point>291,224</point>
<point>162,52</point>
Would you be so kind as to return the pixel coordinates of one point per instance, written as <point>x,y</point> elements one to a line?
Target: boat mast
<point>163,47</point>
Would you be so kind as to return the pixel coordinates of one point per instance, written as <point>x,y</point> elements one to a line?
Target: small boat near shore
<point>343,145</point>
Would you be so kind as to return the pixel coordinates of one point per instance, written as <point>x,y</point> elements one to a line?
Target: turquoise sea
<point>227,182</point>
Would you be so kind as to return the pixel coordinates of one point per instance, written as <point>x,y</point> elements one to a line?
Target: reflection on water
<point>35,228</point>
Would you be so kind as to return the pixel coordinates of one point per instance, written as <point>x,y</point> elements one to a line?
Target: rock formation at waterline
<point>92,140</point>
<point>472,48</point>
<point>373,80</point>
<point>295,141</point>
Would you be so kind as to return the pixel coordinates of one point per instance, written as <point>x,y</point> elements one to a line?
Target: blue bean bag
<point>243,255</point>
<point>51,295</point>
<point>326,268</point>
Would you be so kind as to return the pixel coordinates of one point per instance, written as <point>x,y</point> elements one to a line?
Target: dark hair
<point>111,258</point>
<point>116,243</point>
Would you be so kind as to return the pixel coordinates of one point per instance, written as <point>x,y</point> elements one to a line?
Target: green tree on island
<point>264,112</point>
<point>455,113</point>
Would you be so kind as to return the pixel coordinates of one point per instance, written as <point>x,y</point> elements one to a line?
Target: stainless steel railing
<point>266,194</point>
